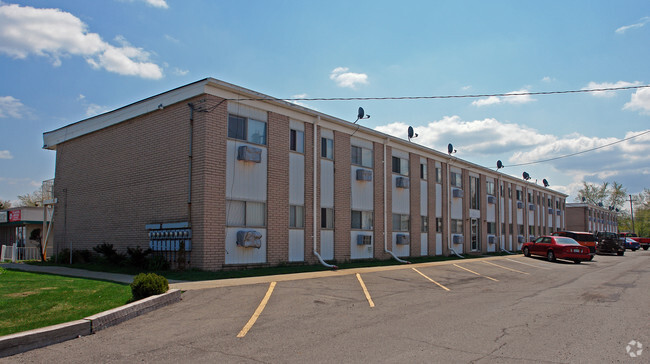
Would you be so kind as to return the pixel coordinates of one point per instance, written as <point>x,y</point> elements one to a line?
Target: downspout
<point>189,173</point>
<point>449,197</point>
<point>315,197</point>
<point>499,217</point>
<point>386,213</point>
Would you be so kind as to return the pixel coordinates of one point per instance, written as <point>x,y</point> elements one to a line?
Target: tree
<point>604,195</point>
<point>5,204</point>
<point>33,199</point>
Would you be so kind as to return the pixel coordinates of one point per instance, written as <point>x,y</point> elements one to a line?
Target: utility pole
<point>632,212</point>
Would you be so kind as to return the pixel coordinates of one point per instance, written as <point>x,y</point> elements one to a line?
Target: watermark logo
<point>634,349</point>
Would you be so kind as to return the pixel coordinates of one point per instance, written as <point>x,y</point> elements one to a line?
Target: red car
<point>557,247</point>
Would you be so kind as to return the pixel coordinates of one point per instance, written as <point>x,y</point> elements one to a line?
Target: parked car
<point>557,247</point>
<point>609,243</point>
<point>583,238</point>
<point>632,244</point>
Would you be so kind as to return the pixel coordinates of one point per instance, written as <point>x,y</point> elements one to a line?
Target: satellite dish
<point>450,149</point>
<point>499,164</point>
<point>600,204</point>
<point>526,176</point>
<point>361,115</point>
<point>411,133</point>
<point>583,199</point>
<point>545,182</point>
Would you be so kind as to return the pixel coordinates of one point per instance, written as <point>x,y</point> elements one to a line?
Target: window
<point>327,148</point>
<point>438,224</point>
<point>489,188</point>
<point>296,216</point>
<point>520,195</point>
<point>492,228</point>
<point>424,226</point>
<point>530,197</point>
<point>456,179</point>
<point>401,222</point>
<point>520,229</point>
<point>361,156</point>
<point>510,229</point>
<point>531,230</point>
<point>423,171</point>
<point>326,218</point>
<point>474,193</point>
<point>509,192</point>
<point>297,141</point>
<point>250,130</point>
<point>438,175</point>
<point>245,213</point>
<point>501,190</point>
<point>557,204</point>
<point>503,228</point>
<point>361,220</point>
<point>549,202</point>
<point>456,226</point>
<point>401,166</point>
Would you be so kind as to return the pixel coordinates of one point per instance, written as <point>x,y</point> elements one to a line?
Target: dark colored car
<point>632,244</point>
<point>557,247</point>
<point>583,238</point>
<point>609,243</point>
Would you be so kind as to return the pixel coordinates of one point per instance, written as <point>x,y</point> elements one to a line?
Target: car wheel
<point>550,256</point>
<point>576,261</point>
<point>526,252</point>
<point>646,247</point>
<point>633,250</point>
<point>620,253</point>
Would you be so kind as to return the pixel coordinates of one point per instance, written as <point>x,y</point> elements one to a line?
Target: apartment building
<point>591,218</point>
<point>231,177</point>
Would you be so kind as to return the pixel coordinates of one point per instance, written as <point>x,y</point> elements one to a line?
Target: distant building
<point>18,224</point>
<point>244,179</point>
<point>591,218</point>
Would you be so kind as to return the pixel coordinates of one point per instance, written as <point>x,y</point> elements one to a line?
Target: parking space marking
<point>500,266</point>
<point>258,312</point>
<point>439,285</point>
<point>365,290</point>
<point>478,274</point>
<point>532,265</point>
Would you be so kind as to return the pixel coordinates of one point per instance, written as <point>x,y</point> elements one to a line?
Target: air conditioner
<point>249,154</point>
<point>520,205</point>
<point>401,239</point>
<point>531,207</point>
<point>492,239</point>
<point>402,182</point>
<point>559,212</point>
<point>457,193</point>
<point>457,239</point>
<point>531,237</point>
<point>364,175</point>
<point>249,239</point>
<point>520,239</point>
<point>550,210</point>
<point>492,200</point>
<point>363,239</point>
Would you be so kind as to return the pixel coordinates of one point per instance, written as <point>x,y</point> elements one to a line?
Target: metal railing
<point>15,253</point>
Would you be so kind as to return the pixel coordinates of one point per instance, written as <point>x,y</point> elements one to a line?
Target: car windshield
<point>585,237</point>
<point>565,241</point>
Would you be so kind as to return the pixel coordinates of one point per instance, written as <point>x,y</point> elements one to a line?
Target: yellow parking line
<point>258,312</point>
<point>500,266</point>
<point>439,285</point>
<point>478,274</point>
<point>532,265</point>
<point>365,290</point>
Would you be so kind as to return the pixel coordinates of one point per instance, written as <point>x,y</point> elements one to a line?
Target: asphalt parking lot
<point>503,309</point>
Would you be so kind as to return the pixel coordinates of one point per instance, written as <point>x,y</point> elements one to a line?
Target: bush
<point>148,284</point>
<point>157,262</point>
<point>138,257</point>
<point>110,254</point>
<point>78,256</point>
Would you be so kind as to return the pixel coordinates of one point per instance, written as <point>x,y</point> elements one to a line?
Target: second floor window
<point>361,156</point>
<point>250,130</point>
<point>327,148</point>
<point>361,220</point>
<point>297,141</point>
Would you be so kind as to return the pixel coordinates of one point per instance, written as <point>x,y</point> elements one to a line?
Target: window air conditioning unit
<point>402,182</point>
<point>249,239</point>
<point>492,239</point>
<point>520,205</point>
<point>364,175</point>
<point>402,239</point>
<point>457,239</point>
<point>363,239</point>
<point>550,210</point>
<point>531,207</point>
<point>559,212</point>
<point>249,154</point>
<point>457,193</point>
<point>492,200</point>
<point>531,238</point>
<point>520,239</point>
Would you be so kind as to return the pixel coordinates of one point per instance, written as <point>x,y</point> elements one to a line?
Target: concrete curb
<point>45,336</point>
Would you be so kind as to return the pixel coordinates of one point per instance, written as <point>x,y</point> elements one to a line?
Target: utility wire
<point>581,152</point>
<point>448,96</point>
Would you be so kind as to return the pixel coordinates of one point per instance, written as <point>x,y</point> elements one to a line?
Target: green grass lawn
<point>31,300</point>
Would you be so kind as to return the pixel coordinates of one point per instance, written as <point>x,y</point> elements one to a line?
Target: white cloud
<point>81,97</point>
<point>640,100</point>
<point>162,4</point>
<point>171,39</point>
<point>12,107</point>
<point>343,78</point>
<point>299,103</point>
<point>595,85</point>
<point>57,34</point>
<point>5,154</point>
<point>548,79</point>
<point>94,109</point>
<point>642,22</point>
<point>180,72</point>
<point>517,98</point>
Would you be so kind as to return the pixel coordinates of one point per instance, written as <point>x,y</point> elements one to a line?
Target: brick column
<point>414,205</point>
<point>342,191</point>
<point>431,205</point>
<point>277,200</point>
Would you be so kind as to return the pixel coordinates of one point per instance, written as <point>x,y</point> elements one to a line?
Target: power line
<point>526,93</point>
<point>576,153</point>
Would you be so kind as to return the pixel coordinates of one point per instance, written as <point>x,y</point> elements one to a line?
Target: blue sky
<point>64,61</point>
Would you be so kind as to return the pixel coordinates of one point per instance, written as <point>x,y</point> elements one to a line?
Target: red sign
<point>14,215</point>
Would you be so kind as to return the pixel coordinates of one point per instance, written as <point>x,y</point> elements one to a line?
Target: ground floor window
<point>245,213</point>
<point>361,220</point>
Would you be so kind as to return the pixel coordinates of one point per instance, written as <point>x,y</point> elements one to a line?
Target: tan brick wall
<point>277,249</point>
<point>483,208</point>
<point>431,206</point>
<point>414,205</point>
<point>378,189</point>
<point>446,234</point>
<point>342,191</point>
<point>389,197</point>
